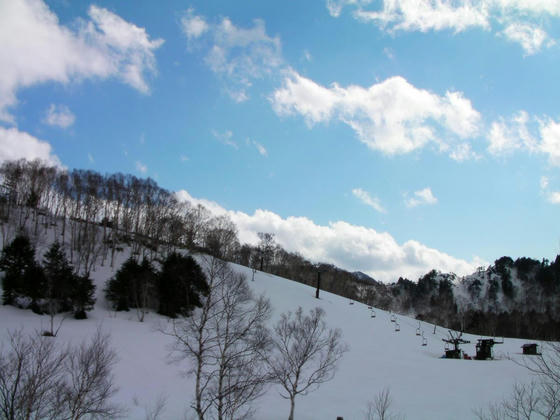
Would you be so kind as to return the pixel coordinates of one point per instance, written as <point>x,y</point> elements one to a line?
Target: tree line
<point>98,215</point>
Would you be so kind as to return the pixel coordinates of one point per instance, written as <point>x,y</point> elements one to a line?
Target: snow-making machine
<point>484,348</point>
<point>452,349</point>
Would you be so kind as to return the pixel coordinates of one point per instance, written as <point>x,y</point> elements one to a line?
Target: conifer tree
<point>133,286</point>
<point>180,284</point>
<point>17,259</point>
<point>59,279</point>
<point>117,290</point>
<point>83,296</point>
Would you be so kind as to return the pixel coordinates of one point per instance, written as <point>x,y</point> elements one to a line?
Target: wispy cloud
<point>193,26</point>
<point>530,37</point>
<point>225,138</point>
<point>551,196</point>
<point>421,197</point>
<point>368,200</point>
<point>523,132</point>
<point>260,148</point>
<point>517,20</point>
<point>140,167</point>
<point>238,55</point>
<point>59,115</point>
<point>554,197</point>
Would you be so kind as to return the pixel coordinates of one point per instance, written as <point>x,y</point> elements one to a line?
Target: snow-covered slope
<point>423,385</point>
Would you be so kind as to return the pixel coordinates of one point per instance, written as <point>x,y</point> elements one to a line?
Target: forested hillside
<point>98,215</point>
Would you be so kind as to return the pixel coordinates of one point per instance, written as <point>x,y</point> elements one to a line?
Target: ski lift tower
<point>456,341</point>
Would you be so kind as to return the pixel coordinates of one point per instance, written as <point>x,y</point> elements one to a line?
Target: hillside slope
<point>423,385</point>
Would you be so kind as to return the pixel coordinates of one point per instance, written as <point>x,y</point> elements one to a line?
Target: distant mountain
<point>363,277</point>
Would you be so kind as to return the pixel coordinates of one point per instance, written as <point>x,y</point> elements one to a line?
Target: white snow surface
<point>423,385</point>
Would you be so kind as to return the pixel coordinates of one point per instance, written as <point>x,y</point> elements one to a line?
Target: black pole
<point>318,284</point>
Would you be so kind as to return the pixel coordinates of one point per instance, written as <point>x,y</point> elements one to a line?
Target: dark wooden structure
<point>530,349</point>
<point>484,348</point>
<point>456,341</point>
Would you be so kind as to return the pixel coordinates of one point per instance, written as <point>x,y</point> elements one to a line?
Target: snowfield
<point>423,385</point>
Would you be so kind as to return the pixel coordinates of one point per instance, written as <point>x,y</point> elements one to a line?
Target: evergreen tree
<point>59,279</point>
<point>180,284</point>
<point>17,259</point>
<point>83,296</point>
<point>34,285</point>
<point>118,288</point>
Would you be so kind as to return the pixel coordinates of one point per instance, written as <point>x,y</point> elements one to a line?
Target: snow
<point>423,385</point>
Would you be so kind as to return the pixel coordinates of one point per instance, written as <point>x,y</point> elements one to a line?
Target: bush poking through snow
<point>380,408</point>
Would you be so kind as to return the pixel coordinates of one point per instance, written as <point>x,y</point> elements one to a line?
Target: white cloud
<point>193,26</point>
<point>393,116</point>
<point>214,207</point>
<point>506,136</point>
<point>389,53</point>
<point>335,6</point>
<point>462,152</point>
<point>238,55</point>
<point>15,144</point>
<point>550,141</point>
<point>348,246</point>
<point>554,197</point>
<point>90,158</point>
<point>368,200</point>
<point>140,167</point>
<point>35,48</point>
<point>537,7</point>
<point>184,158</point>
<point>414,15</point>
<point>525,133</point>
<point>517,20</point>
<point>551,196</point>
<point>530,37</point>
<point>421,197</point>
<point>59,115</point>
<point>262,150</point>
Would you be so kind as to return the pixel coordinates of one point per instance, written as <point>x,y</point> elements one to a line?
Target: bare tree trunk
<point>292,407</point>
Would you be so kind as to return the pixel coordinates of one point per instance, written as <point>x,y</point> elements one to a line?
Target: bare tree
<point>88,386</point>
<point>194,340</point>
<point>380,407</point>
<point>156,410</point>
<point>242,343</point>
<point>522,404</point>
<point>29,377</point>
<point>226,342</point>
<point>39,380</point>
<point>306,353</point>
<point>266,249</point>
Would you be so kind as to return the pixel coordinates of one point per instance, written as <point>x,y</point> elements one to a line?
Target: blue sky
<point>390,137</point>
